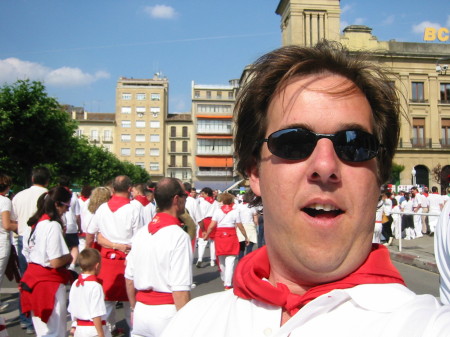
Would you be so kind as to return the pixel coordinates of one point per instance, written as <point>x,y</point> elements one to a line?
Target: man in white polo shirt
<point>159,266</point>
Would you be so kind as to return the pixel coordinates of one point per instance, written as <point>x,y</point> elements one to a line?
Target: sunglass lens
<point>292,144</point>
<point>355,145</point>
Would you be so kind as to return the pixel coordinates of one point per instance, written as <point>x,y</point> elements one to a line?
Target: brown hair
<point>88,258</point>
<point>5,182</point>
<point>226,198</point>
<point>271,73</point>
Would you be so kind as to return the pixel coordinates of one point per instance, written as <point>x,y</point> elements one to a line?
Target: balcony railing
<point>214,173</point>
<point>214,152</point>
<point>107,139</point>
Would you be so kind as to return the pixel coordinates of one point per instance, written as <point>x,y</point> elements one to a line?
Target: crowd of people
<point>116,237</point>
<point>316,132</point>
<point>408,215</point>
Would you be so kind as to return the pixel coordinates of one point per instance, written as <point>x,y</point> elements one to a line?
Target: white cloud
<point>389,20</point>
<point>447,24</point>
<point>161,12</point>
<point>359,21</point>
<point>345,9</point>
<point>13,69</point>
<point>420,28</point>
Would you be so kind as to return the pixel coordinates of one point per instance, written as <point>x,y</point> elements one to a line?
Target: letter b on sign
<point>431,34</point>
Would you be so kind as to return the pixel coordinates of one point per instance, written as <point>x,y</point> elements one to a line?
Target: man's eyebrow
<point>339,127</point>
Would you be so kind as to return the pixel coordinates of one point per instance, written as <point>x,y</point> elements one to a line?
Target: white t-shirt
<point>435,201</point>
<point>228,220</point>
<point>370,310</point>
<point>25,205</point>
<point>206,209</point>
<point>246,213</point>
<point>442,252</point>
<point>192,208</point>
<point>148,213</point>
<point>87,301</point>
<point>118,226</point>
<point>5,206</point>
<point>160,262</point>
<point>45,243</point>
<point>71,215</point>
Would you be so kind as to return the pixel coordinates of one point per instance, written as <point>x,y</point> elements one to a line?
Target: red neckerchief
<point>226,208</point>
<point>142,199</point>
<point>43,217</point>
<point>209,199</point>
<point>162,220</point>
<point>81,280</point>
<point>252,269</point>
<point>116,202</point>
<point>83,198</point>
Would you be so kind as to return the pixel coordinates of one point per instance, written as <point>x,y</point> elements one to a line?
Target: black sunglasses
<point>297,143</point>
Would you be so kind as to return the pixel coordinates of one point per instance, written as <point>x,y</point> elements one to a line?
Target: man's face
<point>307,245</point>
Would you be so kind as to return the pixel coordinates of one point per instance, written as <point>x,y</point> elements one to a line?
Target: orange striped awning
<point>214,161</point>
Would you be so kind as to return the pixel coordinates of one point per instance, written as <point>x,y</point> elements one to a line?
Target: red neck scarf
<point>142,199</point>
<point>226,208</point>
<point>43,217</point>
<point>116,202</point>
<point>162,220</point>
<point>249,283</point>
<point>81,280</point>
<point>83,198</point>
<point>209,199</point>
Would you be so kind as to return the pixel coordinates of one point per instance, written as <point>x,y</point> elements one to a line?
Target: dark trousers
<point>386,231</point>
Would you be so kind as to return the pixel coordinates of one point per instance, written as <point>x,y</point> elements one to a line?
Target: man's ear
<point>253,177</point>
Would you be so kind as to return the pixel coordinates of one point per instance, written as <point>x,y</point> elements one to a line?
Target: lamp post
<point>413,173</point>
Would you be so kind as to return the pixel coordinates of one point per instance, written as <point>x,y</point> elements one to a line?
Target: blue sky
<point>79,49</point>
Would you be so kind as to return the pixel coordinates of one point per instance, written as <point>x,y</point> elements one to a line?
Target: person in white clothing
<point>417,207</point>
<point>436,203</point>
<point>24,206</point>
<point>83,203</point>
<point>442,253</point>
<point>316,132</point>
<point>225,222</point>
<point>159,266</point>
<point>86,298</point>
<point>407,219</point>
<point>247,213</point>
<point>116,222</point>
<point>207,204</point>
<point>6,227</point>
<point>42,287</point>
<point>378,221</point>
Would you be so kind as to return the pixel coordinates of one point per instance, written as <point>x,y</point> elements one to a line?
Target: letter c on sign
<point>443,34</point>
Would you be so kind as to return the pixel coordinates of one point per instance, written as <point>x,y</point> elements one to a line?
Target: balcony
<point>214,131</point>
<point>214,152</point>
<point>177,135</point>
<point>421,143</point>
<point>217,173</point>
<point>107,139</point>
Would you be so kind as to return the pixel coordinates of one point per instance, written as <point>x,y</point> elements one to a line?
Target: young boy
<point>86,298</point>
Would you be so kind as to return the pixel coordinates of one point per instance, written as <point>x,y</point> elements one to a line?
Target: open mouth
<point>325,211</point>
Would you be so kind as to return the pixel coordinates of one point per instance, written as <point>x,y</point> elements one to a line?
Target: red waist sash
<point>206,223</point>
<point>83,322</point>
<point>150,297</point>
<point>112,275</point>
<point>226,241</point>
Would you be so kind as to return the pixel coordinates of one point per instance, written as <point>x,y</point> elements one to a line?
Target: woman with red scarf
<point>226,219</point>
<point>42,288</point>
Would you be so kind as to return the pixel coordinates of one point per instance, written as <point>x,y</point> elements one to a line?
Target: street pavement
<point>418,253</point>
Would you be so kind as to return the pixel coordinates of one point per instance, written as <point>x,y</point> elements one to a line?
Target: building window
<point>140,109</point>
<point>173,146</point>
<point>107,137</point>
<point>155,97</point>
<point>154,152</point>
<point>172,161</point>
<point>125,151</point>
<point>445,132</point>
<point>126,109</point>
<point>155,111</point>
<point>185,131</point>
<point>140,164</point>
<point>185,161</point>
<point>173,131</point>
<point>126,96</point>
<point>154,166</point>
<point>219,95</point>
<point>230,95</point>
<point>79,133</point>
<point>140,97</point>
<point>214,126</point>
<point>418,132</point>
<point>154,138</point>
<point>445,92</point>
<point>140,152</point>
<point>94,135</point>
<point>417,92</point>
<point>214,146</point>
<point>155,125</point>
<point>196,94</point>
<point>208,94</point>
<point>185,146</point>
<point>219,108</point>
<point>126,124</point>
<point>140,124</point>
<point>140,138</point>
<point>125,137</point>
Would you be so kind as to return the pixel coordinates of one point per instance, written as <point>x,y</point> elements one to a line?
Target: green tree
<point>395,173</point>
<point>34,128</point>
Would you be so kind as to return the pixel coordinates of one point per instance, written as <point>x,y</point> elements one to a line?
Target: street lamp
<point>413,173</point>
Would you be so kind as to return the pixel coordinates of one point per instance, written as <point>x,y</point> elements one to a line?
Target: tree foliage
<point>395,173</point>
<point>37,131</point>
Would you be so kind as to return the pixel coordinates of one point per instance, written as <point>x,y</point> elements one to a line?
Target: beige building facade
<point>212,109</point>
<point>419,72</point>
<point>141,109</point>
<point>179,150</point>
